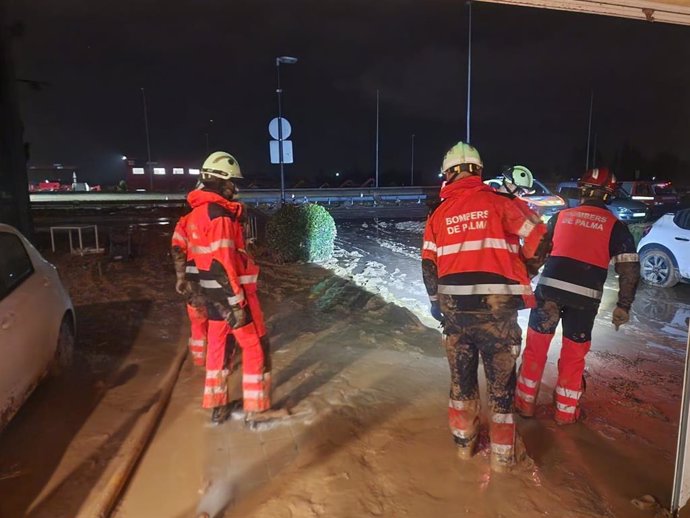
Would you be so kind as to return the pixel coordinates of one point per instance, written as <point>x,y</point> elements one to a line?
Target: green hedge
<point>301,233</point>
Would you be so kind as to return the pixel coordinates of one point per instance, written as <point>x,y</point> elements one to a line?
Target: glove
<point>436,311</point>
<point>182,286</point>
<point>620,317</point>
<point>237,317</point>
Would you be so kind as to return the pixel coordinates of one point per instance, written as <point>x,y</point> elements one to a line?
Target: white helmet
<point>221,165</point>
<point>462,154</point>
<point>519,176</point>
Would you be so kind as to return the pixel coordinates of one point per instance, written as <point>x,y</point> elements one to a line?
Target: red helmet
<point>599,178</point>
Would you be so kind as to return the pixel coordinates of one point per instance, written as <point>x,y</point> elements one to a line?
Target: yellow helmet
<point>221,165</point>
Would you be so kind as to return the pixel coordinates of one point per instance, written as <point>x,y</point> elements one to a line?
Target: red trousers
<point>577,336</point>
<point>198,320</point>
<point>256,378</point>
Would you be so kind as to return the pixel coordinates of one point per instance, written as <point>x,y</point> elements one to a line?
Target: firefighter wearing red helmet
<point>470,268</point>
<point>584,240</point>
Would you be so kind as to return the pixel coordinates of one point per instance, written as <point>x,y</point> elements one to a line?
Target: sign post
<point>280,149</point>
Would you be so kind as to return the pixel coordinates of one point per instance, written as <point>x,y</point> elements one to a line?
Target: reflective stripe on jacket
<point>473,238</point>
<point>213,229</point>
<point>585,240</point>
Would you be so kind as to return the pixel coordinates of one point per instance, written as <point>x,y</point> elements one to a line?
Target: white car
<point>37,323</point>
<point>665,250</point>
<point>541,200</point>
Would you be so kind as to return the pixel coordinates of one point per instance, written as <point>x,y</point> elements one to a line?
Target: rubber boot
<point>502,433</point>
<point>463,418</point>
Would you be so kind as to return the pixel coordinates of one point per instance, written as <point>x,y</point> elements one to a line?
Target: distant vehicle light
<point>639,214</point>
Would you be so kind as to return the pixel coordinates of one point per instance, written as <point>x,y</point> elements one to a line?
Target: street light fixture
<point>285,60</point>
<point>124,157</point>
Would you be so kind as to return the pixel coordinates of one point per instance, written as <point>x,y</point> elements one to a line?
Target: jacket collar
<point>463,187</point>
<point>594,202</point>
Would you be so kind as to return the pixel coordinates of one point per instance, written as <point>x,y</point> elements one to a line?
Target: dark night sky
<point>203,59</point>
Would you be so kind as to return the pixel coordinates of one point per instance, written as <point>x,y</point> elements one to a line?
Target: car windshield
<point>539,189</point>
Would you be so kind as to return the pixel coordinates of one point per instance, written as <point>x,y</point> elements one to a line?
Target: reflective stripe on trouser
<point>502,435</point>
<point>463,418</point>
<point>198,323</point>
<point>256,382</point>
<point>217,372</point>
<point>571,366</point>
<point>531,370</point>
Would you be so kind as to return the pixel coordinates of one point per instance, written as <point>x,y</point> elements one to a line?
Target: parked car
<point>665,250</point>
<point>660,197</point>
<point>541,200</point>
<point>37,323</point>
<point>622,205</point>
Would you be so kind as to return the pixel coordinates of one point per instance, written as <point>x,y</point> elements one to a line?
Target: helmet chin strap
<point>452,177</point>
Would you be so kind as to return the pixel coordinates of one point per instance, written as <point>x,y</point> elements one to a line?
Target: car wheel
<point>657,268</point>
<point>64,352</point>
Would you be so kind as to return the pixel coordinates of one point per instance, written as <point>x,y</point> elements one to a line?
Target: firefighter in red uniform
<point>216,244</point>
<point>585,239</point>
<point>187,285</point>
<point>471,247</point>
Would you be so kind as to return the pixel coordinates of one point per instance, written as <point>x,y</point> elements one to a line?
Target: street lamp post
<point>286,60</point>
<point>148,142</point>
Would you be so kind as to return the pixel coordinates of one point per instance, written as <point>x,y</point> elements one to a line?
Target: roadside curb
<point>106,492</point>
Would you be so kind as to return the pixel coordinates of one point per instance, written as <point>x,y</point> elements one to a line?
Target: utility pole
<point>412,163</point>
<point>377,139</point>
<point>148,141</point>
<point>589,127</point>
<point>469,69</point>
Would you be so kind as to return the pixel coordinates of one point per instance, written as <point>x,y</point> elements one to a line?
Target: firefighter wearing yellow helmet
<point>227,278</point>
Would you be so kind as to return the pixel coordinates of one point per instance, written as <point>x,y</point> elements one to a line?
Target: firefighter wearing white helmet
<point>227,277</point>
<point>471,260</point>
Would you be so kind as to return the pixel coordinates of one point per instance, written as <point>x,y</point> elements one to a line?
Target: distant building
<point>159,176</point>
<point>56,177</point>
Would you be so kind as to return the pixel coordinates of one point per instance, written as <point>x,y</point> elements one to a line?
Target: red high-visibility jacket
<point>585,239</point>
<point>473,239</point>
<point>214,232</point>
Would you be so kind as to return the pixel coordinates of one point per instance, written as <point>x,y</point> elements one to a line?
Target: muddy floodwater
<point>358,362</point>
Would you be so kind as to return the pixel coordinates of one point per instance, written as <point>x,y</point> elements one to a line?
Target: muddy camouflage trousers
<point>496,337</point>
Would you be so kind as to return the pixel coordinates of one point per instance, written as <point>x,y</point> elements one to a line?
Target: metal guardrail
<point>250,196</point>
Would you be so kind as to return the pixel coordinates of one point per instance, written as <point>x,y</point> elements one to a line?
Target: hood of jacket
<point>463,187</point>
<point>203,197</point>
